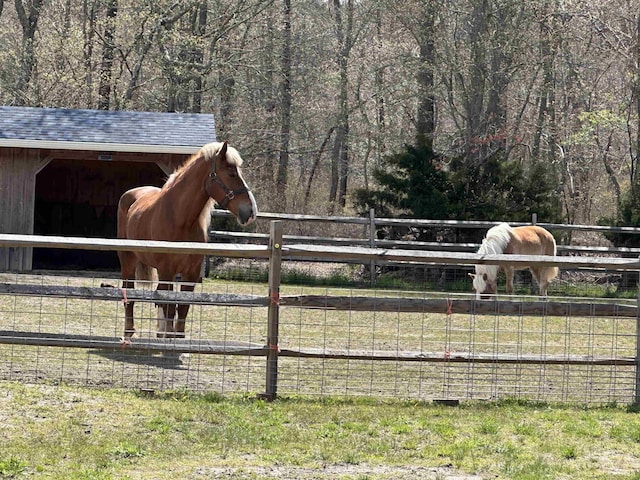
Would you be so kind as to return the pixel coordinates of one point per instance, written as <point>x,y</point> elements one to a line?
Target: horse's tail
<point>147,274</point>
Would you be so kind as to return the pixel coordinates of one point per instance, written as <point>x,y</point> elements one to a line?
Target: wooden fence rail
<point>304,251</point>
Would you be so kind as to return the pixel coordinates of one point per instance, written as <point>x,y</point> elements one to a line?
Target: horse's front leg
<point>166,313</point>
<point>190,279</point>
<point>129,328</point>
<point>183,310</point>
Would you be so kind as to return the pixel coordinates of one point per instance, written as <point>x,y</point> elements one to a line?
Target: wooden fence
<point>372,225</point>
<point>274,301</point>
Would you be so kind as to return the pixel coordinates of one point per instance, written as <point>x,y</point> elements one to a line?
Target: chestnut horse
<point>503,239</point>
<point>180,211</point>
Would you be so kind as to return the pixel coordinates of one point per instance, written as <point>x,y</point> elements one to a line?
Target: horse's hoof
<point>125,342</point>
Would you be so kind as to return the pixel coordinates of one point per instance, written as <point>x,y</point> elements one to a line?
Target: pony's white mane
<point>494,243</point>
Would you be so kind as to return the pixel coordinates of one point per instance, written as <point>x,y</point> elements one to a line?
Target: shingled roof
<point>100,130</point>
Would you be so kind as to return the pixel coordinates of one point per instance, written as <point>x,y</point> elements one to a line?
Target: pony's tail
<point>148,275</point>
<point>552,272</point>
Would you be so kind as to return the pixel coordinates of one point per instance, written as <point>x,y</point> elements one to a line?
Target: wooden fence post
<point>636,399</point>
<point>372,244</point>
<point>275,268</point>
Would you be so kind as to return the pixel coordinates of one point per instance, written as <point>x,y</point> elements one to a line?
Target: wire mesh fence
<point>586,356</point>
<point>109,362</point>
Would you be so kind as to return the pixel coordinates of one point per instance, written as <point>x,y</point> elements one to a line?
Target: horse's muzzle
<point>247,213</point>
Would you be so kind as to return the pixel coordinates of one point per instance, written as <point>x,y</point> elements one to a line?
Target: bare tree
<point>28,14</point>
<point>88,34</point>
<point>106,67</point>
<point>340,152</point>
<point>425,125</point>
<point>285,103</point>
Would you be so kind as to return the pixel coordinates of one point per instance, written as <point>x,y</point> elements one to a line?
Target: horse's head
<point>483,284</point>
<point>227,187</point>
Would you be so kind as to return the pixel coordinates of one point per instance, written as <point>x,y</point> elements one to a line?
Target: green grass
<point>355,276</point>
<point>60,432</point>
<point>342,277</point>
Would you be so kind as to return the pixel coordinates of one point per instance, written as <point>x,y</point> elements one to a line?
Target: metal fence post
<point>275,268</point>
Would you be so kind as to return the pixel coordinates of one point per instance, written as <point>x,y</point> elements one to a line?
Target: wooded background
<point>315,93</point>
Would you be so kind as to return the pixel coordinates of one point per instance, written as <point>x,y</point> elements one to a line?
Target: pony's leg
<point>540,279</point>
<point>543,288</point>
<point>166,313</point>
<point>508,272</point>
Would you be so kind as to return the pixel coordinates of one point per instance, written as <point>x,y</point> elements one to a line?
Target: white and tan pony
<point>504,239</point>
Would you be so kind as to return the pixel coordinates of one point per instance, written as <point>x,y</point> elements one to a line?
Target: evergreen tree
<point>418,183</point>
<point>411,183</point>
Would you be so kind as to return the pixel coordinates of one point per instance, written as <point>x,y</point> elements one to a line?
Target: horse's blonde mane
<point>494,243</point>
<point>208,152</point>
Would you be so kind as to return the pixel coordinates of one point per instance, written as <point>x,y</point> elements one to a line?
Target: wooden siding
<point>18,169</point>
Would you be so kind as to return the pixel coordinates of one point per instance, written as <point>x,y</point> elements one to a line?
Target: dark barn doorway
<point>79,198</point>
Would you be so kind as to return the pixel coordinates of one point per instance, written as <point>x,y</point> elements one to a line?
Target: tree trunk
<point>285,106</point>
<point>425,128</point>
<point>476,125</point>
<point>379,95</point>
<point>28,14</point>
<point>106,67</point>
<point>227,93</point>
<point>88,33</point>
<point>198,58</point>
<point>314,167</point>
<point>340,154</point>
<point>545,101</point>
<point>635,178</point>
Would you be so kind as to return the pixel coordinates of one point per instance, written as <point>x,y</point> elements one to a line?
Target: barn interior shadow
<point>79,198</point>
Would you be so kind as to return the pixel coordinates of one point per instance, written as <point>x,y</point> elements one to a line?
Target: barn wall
<point>18,168</point>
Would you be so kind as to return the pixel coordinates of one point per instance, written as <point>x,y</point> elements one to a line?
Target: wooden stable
<point>62,172</point>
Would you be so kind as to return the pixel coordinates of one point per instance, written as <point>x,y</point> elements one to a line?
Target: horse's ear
<point>223,150</point>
